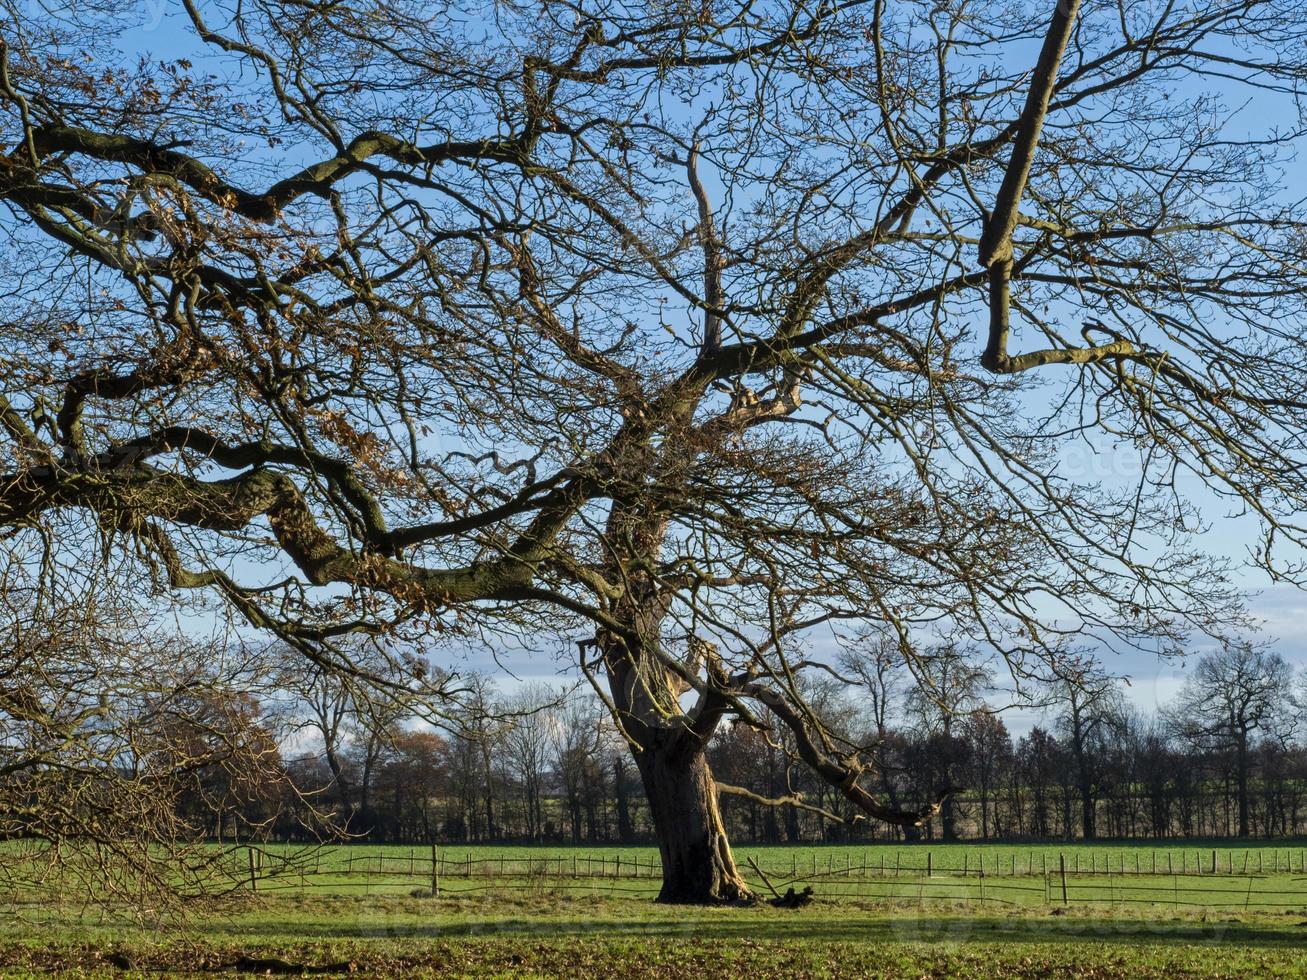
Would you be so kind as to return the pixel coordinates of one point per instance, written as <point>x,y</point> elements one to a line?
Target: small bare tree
<point>123,746</point>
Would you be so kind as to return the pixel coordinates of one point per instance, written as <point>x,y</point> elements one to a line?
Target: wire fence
<point>1183,879</point>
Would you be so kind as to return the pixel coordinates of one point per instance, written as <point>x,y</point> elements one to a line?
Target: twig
<point>765,880</point>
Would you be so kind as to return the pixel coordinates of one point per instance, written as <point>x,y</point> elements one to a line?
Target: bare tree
<point>950,687</point>
<point>990,759</point>
<point>1235,694</point>
<point>326,705</point>
<point>1091,710</point>
<point>577,736</point>
<point>352,716</point>
<point>524,743</point>
<point>682,332</point>
<point>124,745</point>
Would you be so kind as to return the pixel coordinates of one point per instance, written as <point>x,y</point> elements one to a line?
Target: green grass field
<point>335,919</point>
<point>1196,876</point>
<point>605,937</point>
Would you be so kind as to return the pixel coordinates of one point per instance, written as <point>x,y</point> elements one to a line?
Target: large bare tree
<point>687,331</point>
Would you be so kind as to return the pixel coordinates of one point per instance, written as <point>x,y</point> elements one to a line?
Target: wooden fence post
<point>435,871</point>
<point>254,881</point>
<point>930,871</point>
<point>1061,860</point>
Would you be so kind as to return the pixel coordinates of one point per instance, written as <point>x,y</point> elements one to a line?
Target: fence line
<point>1196,879</point>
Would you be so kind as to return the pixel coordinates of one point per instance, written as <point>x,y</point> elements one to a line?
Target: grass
<point>550,936</point>
<point>1245,876</point>
<point>913,925</point>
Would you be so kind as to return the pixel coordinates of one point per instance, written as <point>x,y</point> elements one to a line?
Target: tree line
<point>1227,756</point>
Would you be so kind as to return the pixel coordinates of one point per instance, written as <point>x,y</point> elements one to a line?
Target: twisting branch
<point>712,259</point>
<point>795,800</point>
<point>996,240</point>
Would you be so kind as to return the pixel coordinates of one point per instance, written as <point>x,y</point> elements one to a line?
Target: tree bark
<point>698,867</point>
<point>1241,780</point>
<point>625,829</point>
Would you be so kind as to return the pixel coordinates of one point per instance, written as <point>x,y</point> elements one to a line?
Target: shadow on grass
<point>817,925</point>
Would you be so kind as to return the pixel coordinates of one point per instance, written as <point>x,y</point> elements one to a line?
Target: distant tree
<point>623,790</point>
<point>1091,710</point>
<point>1235,694</point>
<point>990,757</point>
<point>529,718</point>
<point>578,737</point>
<point>1157,764</point>
<point>411,781</point>
<point>1040,760</point>
<point>327,714</point>
<point>350,716</point>
<point>950,688</point>
<point>876,663</point>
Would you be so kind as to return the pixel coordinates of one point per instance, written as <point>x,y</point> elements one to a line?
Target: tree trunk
<point>1088,811</point>
<point>574,814</point>
<point>670,745</point>
<point>1241,778</point>
<point>625,829</point>
<point>698,867</point>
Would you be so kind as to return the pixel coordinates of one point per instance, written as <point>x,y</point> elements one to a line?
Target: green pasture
<point>552,935</point>
<point>924,910</point>
<point>1195,875</point>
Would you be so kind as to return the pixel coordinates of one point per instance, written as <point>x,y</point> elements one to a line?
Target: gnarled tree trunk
<point>669,745</point>
<point>698,866</point>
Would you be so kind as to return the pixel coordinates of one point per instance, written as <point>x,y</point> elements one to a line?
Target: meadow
<point>1195,875</point>
<point>522,911</point>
